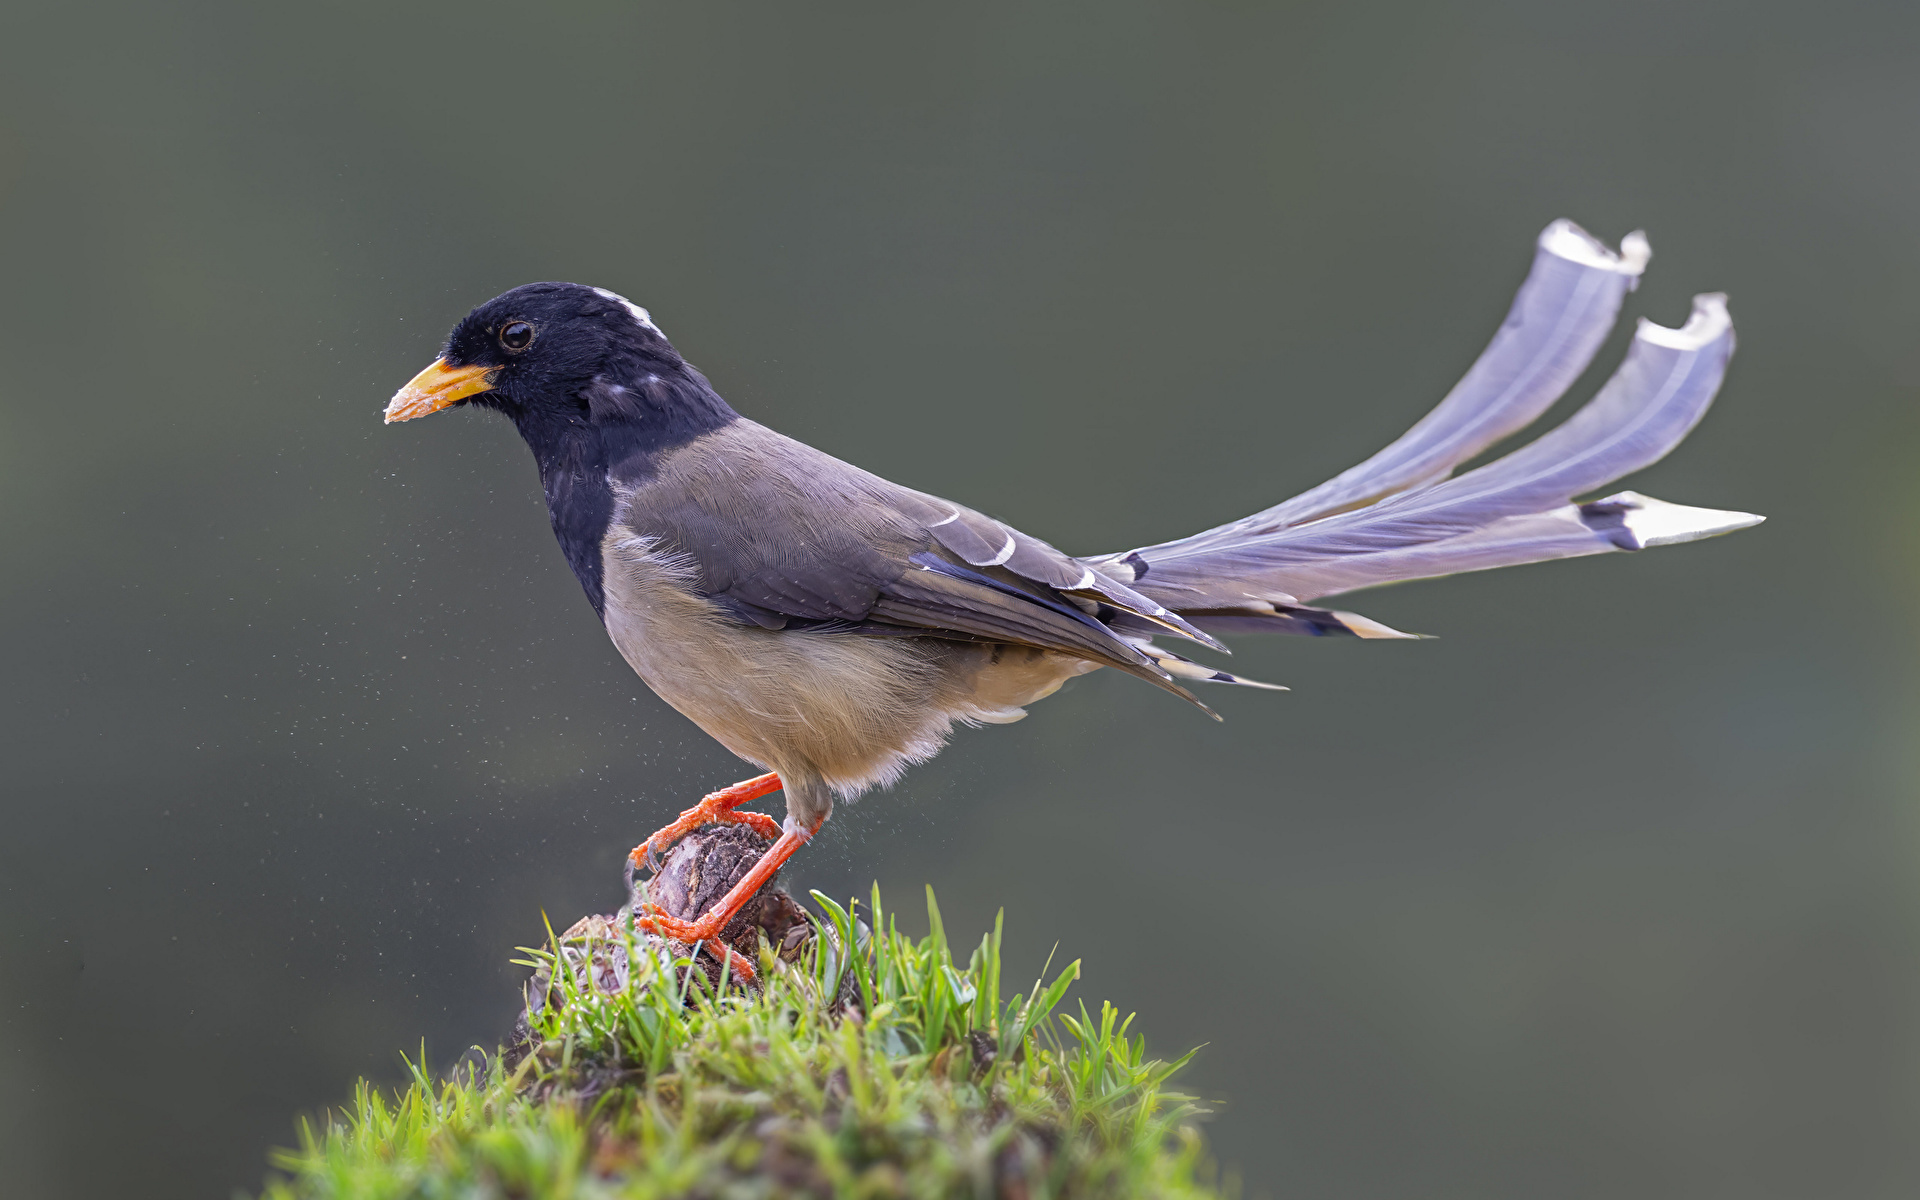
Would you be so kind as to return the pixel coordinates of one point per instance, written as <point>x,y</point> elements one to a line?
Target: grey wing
<point>992,546</point>
<point>788,538</point>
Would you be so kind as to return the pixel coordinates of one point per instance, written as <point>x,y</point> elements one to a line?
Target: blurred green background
<point>1612,890</point>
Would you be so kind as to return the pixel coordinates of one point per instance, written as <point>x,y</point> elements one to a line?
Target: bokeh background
<point>1614,889</point>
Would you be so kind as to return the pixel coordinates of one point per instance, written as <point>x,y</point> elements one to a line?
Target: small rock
<point>696,872</point>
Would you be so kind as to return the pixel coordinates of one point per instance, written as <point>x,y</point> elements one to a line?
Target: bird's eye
<point>518,335</point>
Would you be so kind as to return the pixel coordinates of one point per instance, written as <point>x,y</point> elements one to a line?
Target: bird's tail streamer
<point>1403,513</point>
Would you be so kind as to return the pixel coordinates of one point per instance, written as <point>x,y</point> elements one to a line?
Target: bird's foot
<point>701,934</point>
<point>716,808</point>
<point>653,919</point>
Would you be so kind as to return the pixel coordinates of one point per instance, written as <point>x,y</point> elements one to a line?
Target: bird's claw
<point>655,920</point>
<point>658,920</point>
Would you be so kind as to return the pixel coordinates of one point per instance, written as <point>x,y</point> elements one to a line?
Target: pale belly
<point>847,711</point>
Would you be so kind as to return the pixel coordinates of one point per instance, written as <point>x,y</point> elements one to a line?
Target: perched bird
<point>831,627</point>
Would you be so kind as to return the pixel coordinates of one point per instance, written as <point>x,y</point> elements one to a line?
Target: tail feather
<point>1652,402</point>
<point>1296,619</point>
<point>1399,516</point>
<point>1623,521</point>
<point>1185,668</point>
<point>1560,316</point>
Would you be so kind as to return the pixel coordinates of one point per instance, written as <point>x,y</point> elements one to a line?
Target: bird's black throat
<point>623,432</point>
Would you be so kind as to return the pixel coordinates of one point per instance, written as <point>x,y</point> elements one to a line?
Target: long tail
<point>1402,514</point>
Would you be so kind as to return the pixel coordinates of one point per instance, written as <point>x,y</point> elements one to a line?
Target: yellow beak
<point>435,388</point>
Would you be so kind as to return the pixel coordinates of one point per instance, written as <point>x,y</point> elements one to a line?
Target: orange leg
<point>715,808</point>
<point>709,926</point>
<point>739,966</point>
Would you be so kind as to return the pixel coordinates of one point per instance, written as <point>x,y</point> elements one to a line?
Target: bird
<point>832,627</point>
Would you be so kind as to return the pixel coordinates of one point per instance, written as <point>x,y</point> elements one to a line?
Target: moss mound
<point>890,1071</point>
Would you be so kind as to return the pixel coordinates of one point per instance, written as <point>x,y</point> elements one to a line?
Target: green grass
<point>893,1071</point>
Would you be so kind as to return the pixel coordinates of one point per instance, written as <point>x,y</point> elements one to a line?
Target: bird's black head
<point>561,357</point>
<point>592,385</point>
